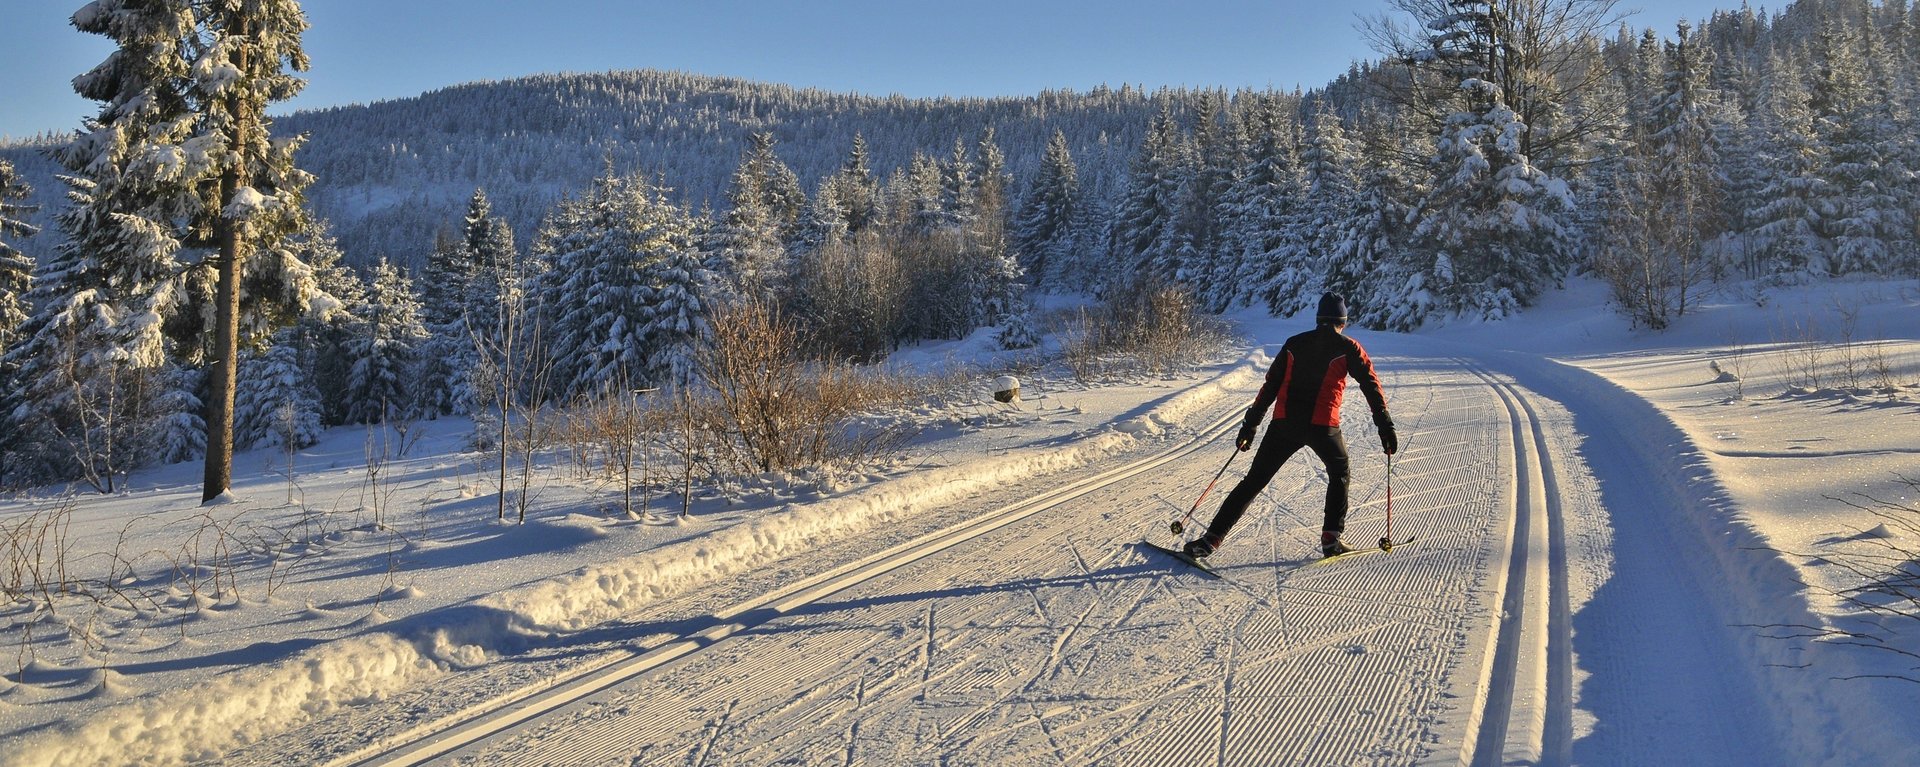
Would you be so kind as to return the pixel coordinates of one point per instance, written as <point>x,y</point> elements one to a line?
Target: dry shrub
<point>778,410</point>
<point>1143,326</point>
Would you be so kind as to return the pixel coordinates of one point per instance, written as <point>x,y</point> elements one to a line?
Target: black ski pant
<point>1284,438</point>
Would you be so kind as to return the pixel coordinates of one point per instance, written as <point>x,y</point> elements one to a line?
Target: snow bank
<point>199,724</point>
<point>202,723</point>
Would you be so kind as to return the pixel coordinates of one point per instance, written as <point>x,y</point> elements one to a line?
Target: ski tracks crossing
<point>1041,632</point>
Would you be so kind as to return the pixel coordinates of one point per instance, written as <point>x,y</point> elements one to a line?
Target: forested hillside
<point>394,172</point>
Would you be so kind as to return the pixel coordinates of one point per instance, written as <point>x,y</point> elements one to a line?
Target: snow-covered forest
<point>411,256</point>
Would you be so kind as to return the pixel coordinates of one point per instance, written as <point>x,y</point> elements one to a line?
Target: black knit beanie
<point>1333,308</point>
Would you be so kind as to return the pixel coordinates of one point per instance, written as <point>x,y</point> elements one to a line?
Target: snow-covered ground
<point>1612,528</point>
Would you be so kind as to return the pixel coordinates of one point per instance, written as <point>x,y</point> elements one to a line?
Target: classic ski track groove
<point>1525,714</point>
<point>443,737</point>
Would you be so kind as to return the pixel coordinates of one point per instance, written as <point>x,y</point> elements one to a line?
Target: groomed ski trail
<point>1040,632</point>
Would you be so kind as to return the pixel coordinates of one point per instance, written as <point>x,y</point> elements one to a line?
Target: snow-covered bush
<point>1019,332</point>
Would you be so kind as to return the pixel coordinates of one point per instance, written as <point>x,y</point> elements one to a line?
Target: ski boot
<point>1202,546</point>
<point>1331,545</point>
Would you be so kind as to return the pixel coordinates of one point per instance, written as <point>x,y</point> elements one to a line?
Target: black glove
<point>1245,440</point>
<point>1389,441</point>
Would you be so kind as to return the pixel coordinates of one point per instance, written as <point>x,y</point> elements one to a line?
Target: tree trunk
<point>219,468</point>
<point>231,238</point>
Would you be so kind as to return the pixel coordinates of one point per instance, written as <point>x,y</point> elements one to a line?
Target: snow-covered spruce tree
<point>763,216</point>
<point>448,355</point>
<point>925,196</point>
<point>330,334</point>
<point>1219,152</point>
<point>1041,228</point>
<point>1532,52</point>
<point>82,403</point>
<point>462,280</point>
<point>959,192</point>
<point>826,216</point>
<point>1273,266</point>
<point>679,316</point>
<point>613,252</point>
<point>995,269</point>
<point>776,184</point>
<point>1855,117</point>
<point>16,268</point>
<point>247,198</point>
<point>181,201</point>
<point>1366,261</point>
<point>1491,231</point>
<point>1667,205</point>
<point>1144,230</point>
<point>181,159</point>
<point>384,348</point>
<point>276,404</point>
<point>1328,167</point>
<point>16,280</point>
<point>1018,332</point>
<point>85,361</point>
<point>858,192</point>
<point>991,182</point>
<point>1795,201</point>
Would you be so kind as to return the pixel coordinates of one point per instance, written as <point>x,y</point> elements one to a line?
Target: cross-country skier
<point>1305,386</point>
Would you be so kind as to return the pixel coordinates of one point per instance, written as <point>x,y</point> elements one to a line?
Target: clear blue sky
<point>368,50</point>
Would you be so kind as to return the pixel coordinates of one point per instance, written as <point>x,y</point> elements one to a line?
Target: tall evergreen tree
<point>328,335</point>
<point>448,353</point>
<point>384,348</point>
<point>462,281</point>
<point>1328,168</point>
<point>1041,229</point>
<point>613,251</point>
<point>183,203</point>
<point>997,276</point>
<point>678,317</point>
<point>16,280</point>
<point>1796,202</point>
<point>16,268</point>
<point>1144,226</point>
<point>249,195</point>
<point>765,217</point>
<point>991,181</point>
<point>1366,264</point>
<point>924,197</point>
<point>859,193</point>
<point>1217,154</point>
<point>1491,231</point>
<point>1272,264</point>
<point>777,185</point>
<point>1687,161</point>
<point>1855,124</point>
<point>277,404</point>
<point>959,187</point>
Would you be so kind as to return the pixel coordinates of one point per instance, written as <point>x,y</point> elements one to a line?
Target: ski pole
<point>1180,526</point>
<point>1386,542</point>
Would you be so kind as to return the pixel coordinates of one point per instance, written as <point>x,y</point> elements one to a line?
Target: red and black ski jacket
<point>1309,379</point>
